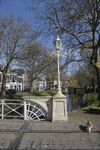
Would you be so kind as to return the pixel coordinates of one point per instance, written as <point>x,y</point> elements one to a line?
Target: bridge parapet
<point>33,108</point>
<point>45,102</point>
<point>54,107</point>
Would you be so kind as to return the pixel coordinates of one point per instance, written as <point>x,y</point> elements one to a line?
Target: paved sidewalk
<point>29,135</point>
<point>42,126</point>
<point>77,123</point>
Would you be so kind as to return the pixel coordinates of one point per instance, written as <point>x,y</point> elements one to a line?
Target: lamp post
<point>58,43</point>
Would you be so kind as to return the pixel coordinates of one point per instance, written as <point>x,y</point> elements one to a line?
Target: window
<point>20,80</point>
<point>7,79</point>
<point>13,78</point>
<point>11,87</point>
<point>10,78</point>
<point>0,77</point>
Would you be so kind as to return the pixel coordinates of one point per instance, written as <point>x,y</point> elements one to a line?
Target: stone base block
<point>59,109</point>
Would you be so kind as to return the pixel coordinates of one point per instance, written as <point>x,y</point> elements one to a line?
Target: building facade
<point>15,80</point>
<point>39,84</point>
<point>20,80</point>
<point>27,81</point>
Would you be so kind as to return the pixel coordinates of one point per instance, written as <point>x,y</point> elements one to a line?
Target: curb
<point>46,131</point>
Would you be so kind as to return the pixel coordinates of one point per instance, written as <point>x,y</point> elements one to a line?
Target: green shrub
<point>90,99</point>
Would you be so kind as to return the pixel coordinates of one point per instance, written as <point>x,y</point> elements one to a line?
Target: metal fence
<point>20,109</point>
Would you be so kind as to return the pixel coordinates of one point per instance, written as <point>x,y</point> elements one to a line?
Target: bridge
<point>79,90</point>
<point>44,103</point>
<point>35,108</point>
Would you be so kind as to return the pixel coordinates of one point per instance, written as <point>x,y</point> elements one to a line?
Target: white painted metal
<point>7,108</point>
<point>30,111</point>
<point>2,108</point>
<point>58,44</point>
<point>33,112</point>
<point>24,110</point>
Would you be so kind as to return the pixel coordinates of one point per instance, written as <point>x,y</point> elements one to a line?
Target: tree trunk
<point>4,83</point>
<point>98,83</point>
<point>31,86</point>
<point>53,84</point>
<point>93,85</point>
<point>32,78</point>
<point>47,80</point>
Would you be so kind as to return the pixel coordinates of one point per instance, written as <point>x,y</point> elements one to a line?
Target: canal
<point>73,102</point>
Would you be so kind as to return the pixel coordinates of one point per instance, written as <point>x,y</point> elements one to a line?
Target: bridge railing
<point>20,109</point>
<point>11,109</point>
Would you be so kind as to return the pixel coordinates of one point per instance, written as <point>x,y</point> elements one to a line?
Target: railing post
<point>24,110</point>
<point>2,109</point>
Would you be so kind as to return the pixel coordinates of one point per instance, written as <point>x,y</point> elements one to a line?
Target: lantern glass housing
<point>57,43</point>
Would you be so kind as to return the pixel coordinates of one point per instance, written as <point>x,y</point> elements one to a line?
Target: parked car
<point>11,91</point>
<point>27,90</point>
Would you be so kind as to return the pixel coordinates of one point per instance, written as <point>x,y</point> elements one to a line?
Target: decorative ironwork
<point>21,109</point>
<point>34,112</point>
<point>10,108</point>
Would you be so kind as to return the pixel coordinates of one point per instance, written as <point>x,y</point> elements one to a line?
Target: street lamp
<point>58,43</point>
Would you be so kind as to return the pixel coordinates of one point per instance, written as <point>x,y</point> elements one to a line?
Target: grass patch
<point>92,109</point>
<point>43,93</point>
<point>18,97</point>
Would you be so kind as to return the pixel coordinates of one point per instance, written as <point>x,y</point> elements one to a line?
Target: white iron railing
<point>10,108</point>
<point>32,112</point>
<point>20,109</point>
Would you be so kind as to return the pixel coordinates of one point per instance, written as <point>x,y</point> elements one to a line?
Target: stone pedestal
<point>59,109</point>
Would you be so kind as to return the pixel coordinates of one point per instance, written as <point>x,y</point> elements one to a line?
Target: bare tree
<point>85,75</point>
<point>64,78</point>
<point>84,72</point>
<point>78,22</point>
<point>50,71</point>
<point>13,36</point>
<point>36,60</point>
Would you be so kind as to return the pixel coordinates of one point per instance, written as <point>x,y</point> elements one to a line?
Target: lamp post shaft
<point>59,87</point>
